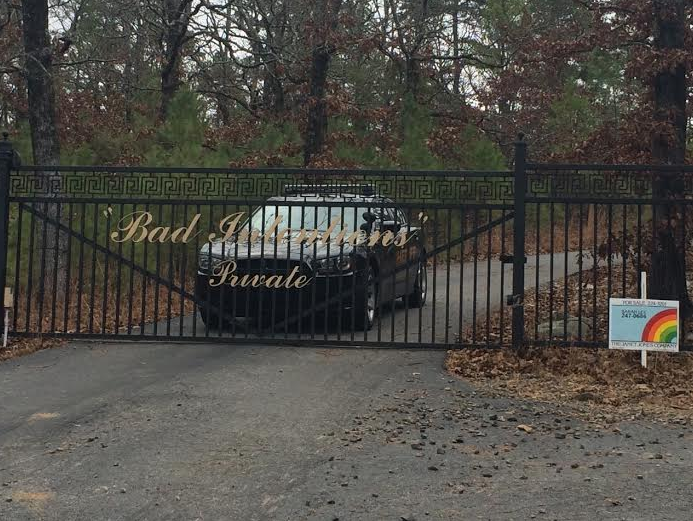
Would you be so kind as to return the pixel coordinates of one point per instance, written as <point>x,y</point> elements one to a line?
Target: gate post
<point>518,296</point>
<point>6,161</point>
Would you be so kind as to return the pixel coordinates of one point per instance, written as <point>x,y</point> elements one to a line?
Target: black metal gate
<point>385,258</point>
<point>380,258</point>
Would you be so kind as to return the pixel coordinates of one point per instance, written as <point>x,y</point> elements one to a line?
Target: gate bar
<point>6,160</point>
<point>518,297</point>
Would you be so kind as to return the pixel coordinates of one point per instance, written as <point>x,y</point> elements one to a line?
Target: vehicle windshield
<point>308,217</point>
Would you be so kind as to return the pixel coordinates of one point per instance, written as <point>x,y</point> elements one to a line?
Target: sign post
<point>643,324</point>
<point>6,163</point>
<point>643,295</point>
<point>7,305</point>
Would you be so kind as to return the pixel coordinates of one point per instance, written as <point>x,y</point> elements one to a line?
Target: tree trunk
<point>170,81</point>
<point>273,90</point>
<point>317,107</point>
<point>176,13</point>
<point>668,267</point>
<point>44,135</point>
<point>412,76</point>
<point>223,113</point>
<point>134,66</point>
<point>317,110</point>
<point>40,90</point>
<point>222,102</point>
<point>457,71</point>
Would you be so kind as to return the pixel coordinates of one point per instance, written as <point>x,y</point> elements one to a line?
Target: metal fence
<point>594,230</point>
<point>379,258</point>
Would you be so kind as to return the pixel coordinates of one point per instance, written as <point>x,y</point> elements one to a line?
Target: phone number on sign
<point>633,313</point>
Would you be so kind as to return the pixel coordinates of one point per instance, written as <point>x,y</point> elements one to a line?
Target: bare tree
<point>40,86</point>
<point>170,21</point>
<point>39,72</point>
<point>246,53</point>
<point>326,19</point>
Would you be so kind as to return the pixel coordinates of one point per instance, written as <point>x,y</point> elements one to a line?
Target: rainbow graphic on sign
<point>662,328</point>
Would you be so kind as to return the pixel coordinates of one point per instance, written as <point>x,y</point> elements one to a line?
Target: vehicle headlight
<point>342,263</point>
<point>332,265</point>
<point>203,261</point>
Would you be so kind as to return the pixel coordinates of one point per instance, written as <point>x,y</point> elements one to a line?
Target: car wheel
<point>367,306</point>
<point>417,298</point>
<point>209,317</point>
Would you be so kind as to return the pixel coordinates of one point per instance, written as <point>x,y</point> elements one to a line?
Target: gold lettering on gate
<point>134,227</point>
<point>224,272</point>
<point>139,227</point>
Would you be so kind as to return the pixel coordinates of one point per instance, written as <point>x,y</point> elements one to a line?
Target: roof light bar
<point>365,190</point>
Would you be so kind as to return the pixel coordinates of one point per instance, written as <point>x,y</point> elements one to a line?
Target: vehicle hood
<point>284,250</point>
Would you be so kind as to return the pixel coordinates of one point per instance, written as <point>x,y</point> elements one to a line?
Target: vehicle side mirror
<point>370,219</point>
<point>391,226</point>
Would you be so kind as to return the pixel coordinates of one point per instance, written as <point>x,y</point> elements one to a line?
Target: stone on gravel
<point>570,326</point>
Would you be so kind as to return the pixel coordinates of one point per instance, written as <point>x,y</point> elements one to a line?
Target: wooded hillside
<point>418,84</point>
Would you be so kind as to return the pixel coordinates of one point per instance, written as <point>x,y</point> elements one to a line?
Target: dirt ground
<point>593,382</point>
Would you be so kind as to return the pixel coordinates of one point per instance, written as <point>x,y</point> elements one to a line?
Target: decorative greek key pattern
<point>602,183</point>
<point>215,185</point>
<point>445,189</point>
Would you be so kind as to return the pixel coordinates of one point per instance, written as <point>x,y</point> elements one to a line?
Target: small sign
<point>8,300</point>
<point>644,324</point>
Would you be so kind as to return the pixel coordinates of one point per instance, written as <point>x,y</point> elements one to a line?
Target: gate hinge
<point>508,258</point>
<point>514,300</point>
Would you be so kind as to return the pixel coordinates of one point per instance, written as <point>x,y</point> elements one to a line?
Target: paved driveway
<point>95,431</point>
<point>155,431</point>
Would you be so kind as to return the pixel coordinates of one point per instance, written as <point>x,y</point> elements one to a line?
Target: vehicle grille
<point>268,266</point>
<point>257,266</point>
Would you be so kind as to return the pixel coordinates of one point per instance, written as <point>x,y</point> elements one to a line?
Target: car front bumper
<point>332,294</point>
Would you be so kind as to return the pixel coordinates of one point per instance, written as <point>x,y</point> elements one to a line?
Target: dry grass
<point>499,240</point>
<point>583,295</point>
<point>24,346</point>
<point>601,384</point>
<point>93,316</point>
<point>598,382</point>
<point>103,311</point>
